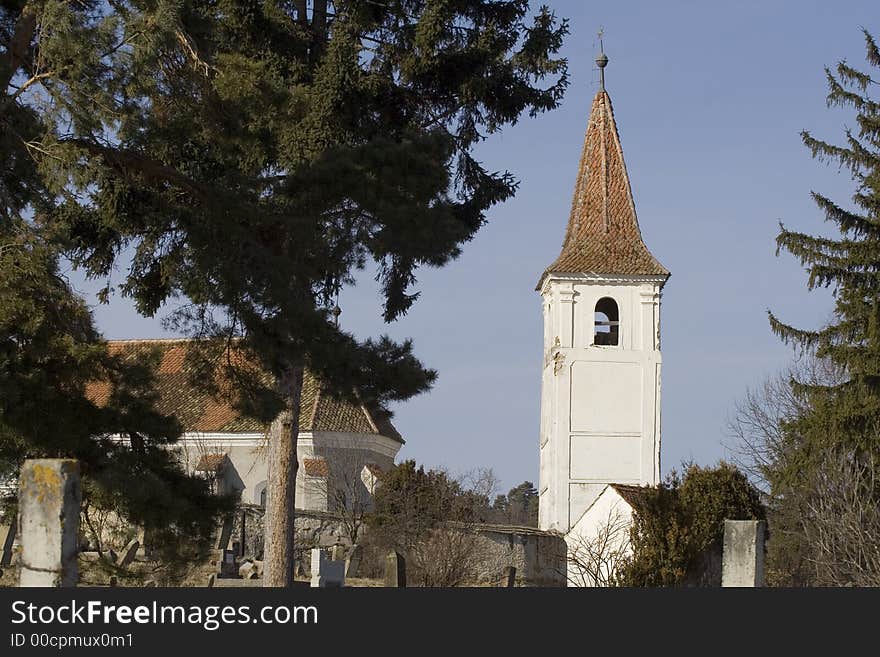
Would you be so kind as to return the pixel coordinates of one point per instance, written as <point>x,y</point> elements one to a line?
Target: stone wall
<point>538,556</point>
<point>312,529</point>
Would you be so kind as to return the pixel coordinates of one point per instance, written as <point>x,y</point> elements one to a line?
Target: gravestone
<point>48,510</point>
<point>353,561</point>
<point>337,552</point>
<point>225,532</point>
<point>743,559</point>
<point>326,573</point>
<point>228,567</point>
<point>395,570</point>
<point>8,544</point>
<point>129,553</point>
<point>251,569</point>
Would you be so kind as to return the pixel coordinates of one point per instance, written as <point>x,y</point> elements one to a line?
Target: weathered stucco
<point>538,556</point>
<point>48,511</point>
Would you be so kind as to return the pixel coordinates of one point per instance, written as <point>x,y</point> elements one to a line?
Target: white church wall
<point>599,539</point>
<point>606,458</point>
<point>248,457</point>
<point>580,497</point>
<point>600,404</point>
<point>614,391</point>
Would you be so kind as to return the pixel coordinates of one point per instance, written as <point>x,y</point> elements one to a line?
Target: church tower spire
<point>601,61</point>
<point>603,234</point>
<point>600,392</point>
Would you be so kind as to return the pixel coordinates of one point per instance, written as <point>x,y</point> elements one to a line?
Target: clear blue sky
<point>709,98</point>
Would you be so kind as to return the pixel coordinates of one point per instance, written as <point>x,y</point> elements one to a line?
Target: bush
<point>678,529</point>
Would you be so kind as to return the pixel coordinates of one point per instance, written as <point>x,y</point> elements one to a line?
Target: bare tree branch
<point>596,560</point>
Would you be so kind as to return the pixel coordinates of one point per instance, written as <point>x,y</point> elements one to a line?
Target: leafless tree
<point>446,556</point>
<point>348,487</point>
<point>755,436</point>
<point>595,560</point>
<point>480,482</point>
<point>449,554</point>
<point>842,522</point>
<point>835,509</point>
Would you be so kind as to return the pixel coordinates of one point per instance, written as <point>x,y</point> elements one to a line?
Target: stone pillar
<point>743,561</point>
<point>326,573</point>
<point>48,510</point>
<point>395,570</point>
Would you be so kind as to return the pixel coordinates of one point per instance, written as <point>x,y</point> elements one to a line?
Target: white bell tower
<point>600,392</point>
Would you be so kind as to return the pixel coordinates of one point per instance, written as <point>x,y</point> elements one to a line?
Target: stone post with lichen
<point>48,518</point>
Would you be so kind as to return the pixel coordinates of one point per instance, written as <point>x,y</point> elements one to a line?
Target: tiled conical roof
<point>603,235</point>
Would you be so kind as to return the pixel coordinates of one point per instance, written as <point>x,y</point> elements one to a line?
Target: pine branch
<point>853,254</point>
<point>825,275</point>
<point>31,81</point>
<point>791,335</point>
<point>873,54</point>
<point>127,162</point>
<point>825,152</point>
<point>840,96</point>
<point>858,225</point>
<point>868,159</point>
<point>853,76</point>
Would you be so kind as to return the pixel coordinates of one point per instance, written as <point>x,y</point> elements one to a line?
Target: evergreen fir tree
<point>847,414</point>
<point>842,419</point>
<point>254,155</point>
<point>49,347</point>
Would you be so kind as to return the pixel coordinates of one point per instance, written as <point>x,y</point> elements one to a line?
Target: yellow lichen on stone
<point>44,482</point>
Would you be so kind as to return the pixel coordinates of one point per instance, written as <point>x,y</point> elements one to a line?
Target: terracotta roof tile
<point>603,234</point>
<point>211,462</point>
<point>316,467</point>
<point>635,496</point>
<point>197,410</point>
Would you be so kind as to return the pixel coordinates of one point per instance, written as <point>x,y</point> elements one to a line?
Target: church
<point>600,389</point>
<point>342,448</point>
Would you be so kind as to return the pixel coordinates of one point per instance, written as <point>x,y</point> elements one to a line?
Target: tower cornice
<point>596,278</point>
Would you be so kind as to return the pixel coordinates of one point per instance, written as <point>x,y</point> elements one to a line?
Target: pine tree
<point>253,156</point>
<point>848,413</point>
<point>841,418</point>
<point>49,347</point>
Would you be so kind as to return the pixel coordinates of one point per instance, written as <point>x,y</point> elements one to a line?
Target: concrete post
<point>48,516</point>
<point>395,570</point>
<point>743,560</point>
<point>326,573</point>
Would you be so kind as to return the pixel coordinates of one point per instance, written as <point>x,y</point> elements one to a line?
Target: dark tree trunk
<point>16,53</point>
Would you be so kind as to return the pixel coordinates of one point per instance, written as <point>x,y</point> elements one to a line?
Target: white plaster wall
<point>600,405</point>
<point>608,510</point>
<point>349,453</point>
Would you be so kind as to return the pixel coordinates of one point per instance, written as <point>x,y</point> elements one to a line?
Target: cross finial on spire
<point>601,60</point>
